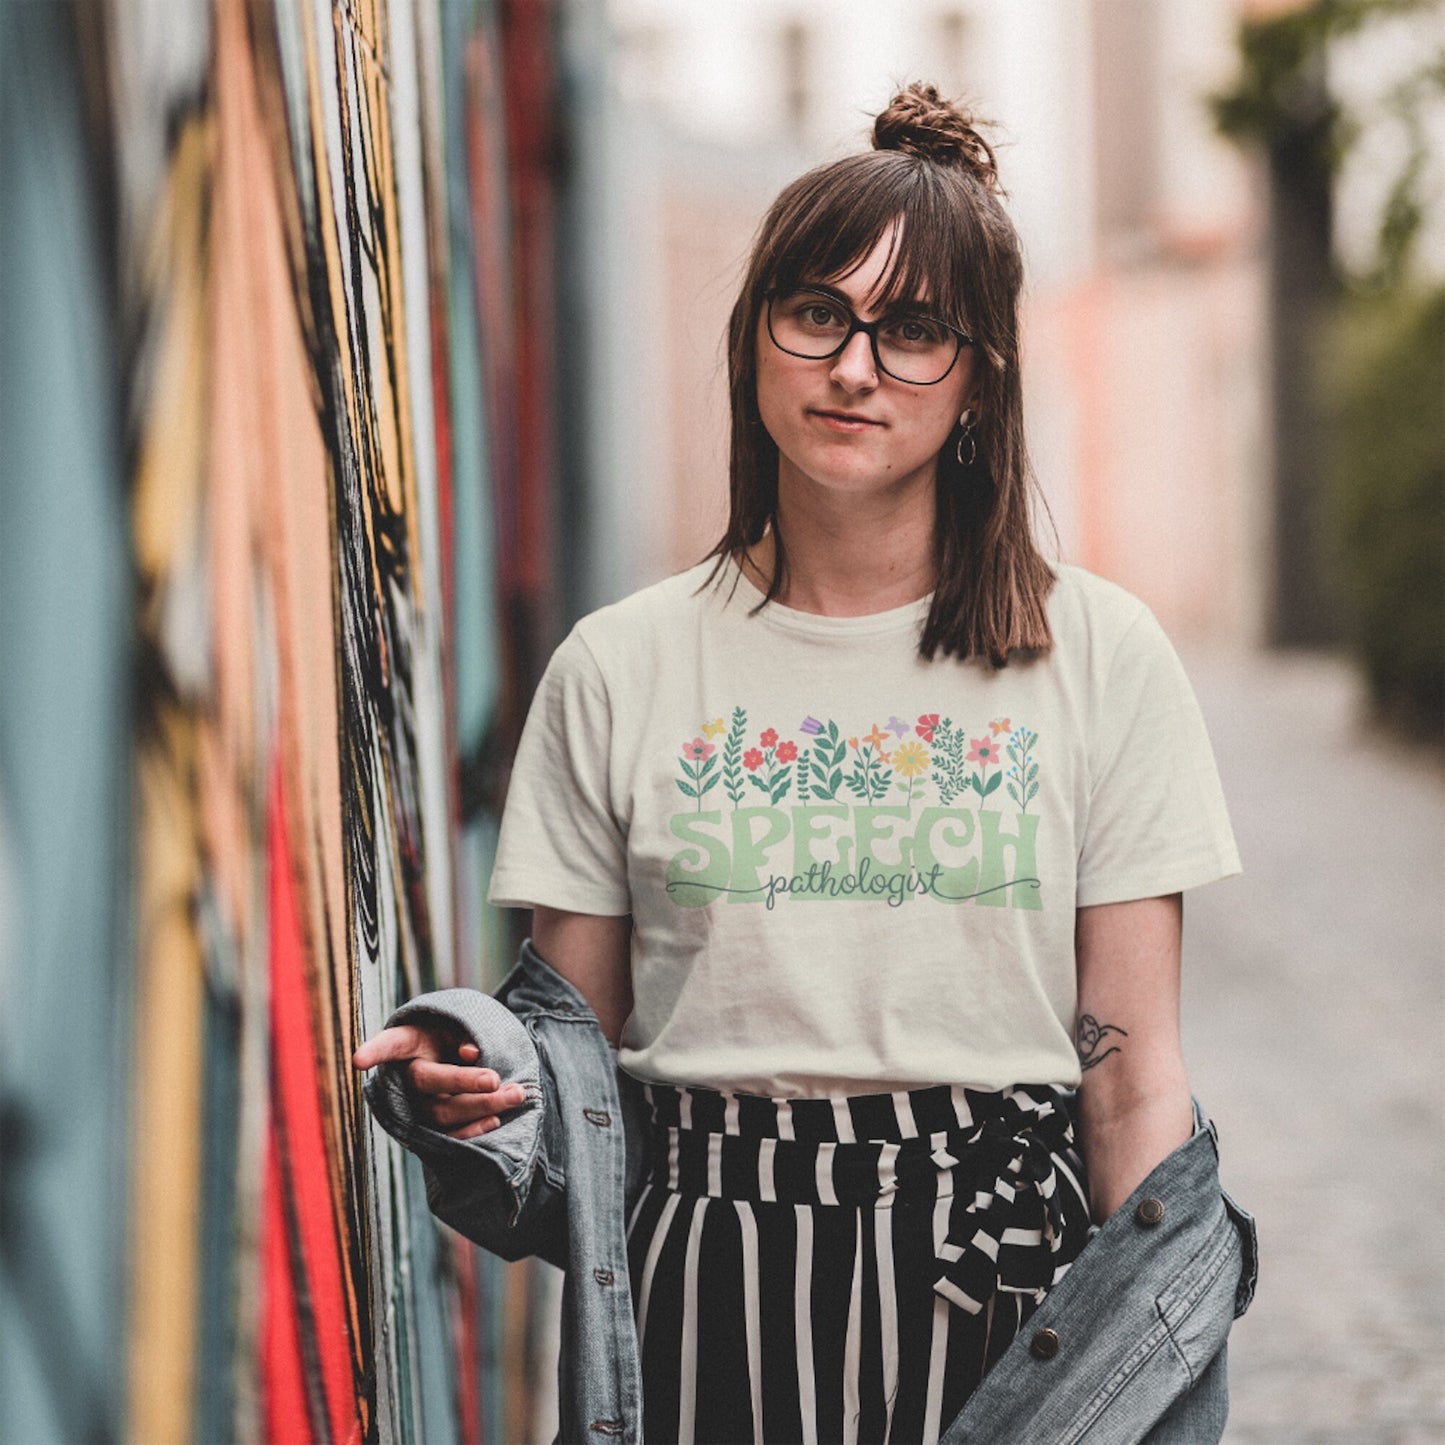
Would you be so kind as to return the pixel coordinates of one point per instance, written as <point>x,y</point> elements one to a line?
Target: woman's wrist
<point>1123,1138</point>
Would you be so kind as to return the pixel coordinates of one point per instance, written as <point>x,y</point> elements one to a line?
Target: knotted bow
<point>1010,1233</point>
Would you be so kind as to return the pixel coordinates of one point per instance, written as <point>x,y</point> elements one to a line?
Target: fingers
<point>402,1041</point>
<point>455,1110</point>
<point>471,1131</point>
<point>463,1099</point>
<point>432,1078</point>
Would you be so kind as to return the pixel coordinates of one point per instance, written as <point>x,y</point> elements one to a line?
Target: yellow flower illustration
<point>712,729</point>
<point>910,759</point>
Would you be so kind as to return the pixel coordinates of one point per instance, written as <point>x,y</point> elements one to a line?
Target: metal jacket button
<point>1150,1211</point>
<point>607,1427</point>
<point>1045,1344</point>
<point>600,1117</point>
<point>603,1276</point>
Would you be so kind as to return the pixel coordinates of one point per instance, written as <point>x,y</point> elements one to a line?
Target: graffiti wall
<point>339,595</point>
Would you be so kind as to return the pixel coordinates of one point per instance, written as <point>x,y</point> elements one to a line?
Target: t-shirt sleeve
<point>561,844</point>
<point>1157,821</point>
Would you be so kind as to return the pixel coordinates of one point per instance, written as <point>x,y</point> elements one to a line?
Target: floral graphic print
<point>699,761</point>
<point>871,776</point>
<point>941,758</point>
<point>768,765</point>
<point>828,754</point>
<point>910,762</point>
<point>891,811</point>
<point>1023,771</point>
<point>733,757</point>
<point>950,764</point>
<point>984,751</point>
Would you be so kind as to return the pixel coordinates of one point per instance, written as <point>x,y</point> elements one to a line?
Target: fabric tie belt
<point>1018,1216</point>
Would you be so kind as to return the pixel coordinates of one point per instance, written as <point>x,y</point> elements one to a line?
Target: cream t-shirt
<point>851,870</point>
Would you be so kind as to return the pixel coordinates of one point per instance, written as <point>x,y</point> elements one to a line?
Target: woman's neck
<point>863,556</point>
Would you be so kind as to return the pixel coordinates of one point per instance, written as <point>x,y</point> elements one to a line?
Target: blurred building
<point>1145,308</point>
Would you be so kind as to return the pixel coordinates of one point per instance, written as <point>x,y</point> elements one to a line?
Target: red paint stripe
<point>314,1201</point>
<point>283,1385</point>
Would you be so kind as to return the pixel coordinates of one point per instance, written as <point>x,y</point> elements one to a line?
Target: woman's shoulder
<point>1087,608</point>
<point>1104,633</point>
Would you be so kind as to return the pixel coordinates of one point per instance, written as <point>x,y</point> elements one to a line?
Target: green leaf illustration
<point>733,755</point>
<point>828,753</point>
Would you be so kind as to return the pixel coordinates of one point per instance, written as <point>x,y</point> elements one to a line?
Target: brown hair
<point>931,168</point>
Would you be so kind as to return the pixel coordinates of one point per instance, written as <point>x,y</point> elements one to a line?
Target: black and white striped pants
<point>843,1269</point>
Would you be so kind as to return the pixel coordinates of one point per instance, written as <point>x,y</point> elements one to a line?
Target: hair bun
<point>920,122</point>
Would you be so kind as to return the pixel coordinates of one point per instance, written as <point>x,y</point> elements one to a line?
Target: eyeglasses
<point>814,324</point>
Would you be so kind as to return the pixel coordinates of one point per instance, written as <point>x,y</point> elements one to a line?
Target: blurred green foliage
<point>1382,375</point>
<point>1386,379</point>
<point>1280,57</point>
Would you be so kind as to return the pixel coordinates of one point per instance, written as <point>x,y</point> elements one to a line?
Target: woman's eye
<point>913,331</point>
<point>815,313</point>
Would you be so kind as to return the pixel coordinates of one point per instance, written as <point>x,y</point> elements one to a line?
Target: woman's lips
<point>844,421</point>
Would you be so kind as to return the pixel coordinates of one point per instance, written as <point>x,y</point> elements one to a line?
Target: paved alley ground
<point>1314,1032</point>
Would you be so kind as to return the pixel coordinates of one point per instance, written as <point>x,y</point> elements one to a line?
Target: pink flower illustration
<point>787,752</point>
<point>985,750</point>
<point>926,724</point>
<point>769,738</point>
<point>752,760</point>
<point>697,750</point>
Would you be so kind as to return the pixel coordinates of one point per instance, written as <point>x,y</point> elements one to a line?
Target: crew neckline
<point>895,619</point>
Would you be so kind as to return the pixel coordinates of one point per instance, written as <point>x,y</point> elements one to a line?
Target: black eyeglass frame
<point>855,325</point>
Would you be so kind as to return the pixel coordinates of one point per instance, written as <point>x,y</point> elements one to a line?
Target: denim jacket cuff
<point>505,1156</point>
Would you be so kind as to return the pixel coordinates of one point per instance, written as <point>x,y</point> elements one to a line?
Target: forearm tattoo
<point>1091,1035</point>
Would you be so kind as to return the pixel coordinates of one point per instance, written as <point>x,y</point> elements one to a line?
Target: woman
<point>865,839</point>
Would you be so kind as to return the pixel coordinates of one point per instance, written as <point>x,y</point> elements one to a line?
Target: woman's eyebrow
<point>897,307</point>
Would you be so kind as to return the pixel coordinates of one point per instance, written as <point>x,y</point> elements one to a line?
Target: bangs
<point>836,219</point>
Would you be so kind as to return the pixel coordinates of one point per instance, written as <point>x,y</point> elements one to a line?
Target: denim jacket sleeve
<point>1129,1346</point>
<point>503,1189</point>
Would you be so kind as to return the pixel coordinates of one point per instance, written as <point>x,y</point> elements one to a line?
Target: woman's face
<point>844,425</point>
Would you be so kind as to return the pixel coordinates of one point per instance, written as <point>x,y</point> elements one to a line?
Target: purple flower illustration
<point>811,726</point>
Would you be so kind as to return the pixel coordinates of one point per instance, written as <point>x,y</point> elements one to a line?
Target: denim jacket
<point>1129,1346</point>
